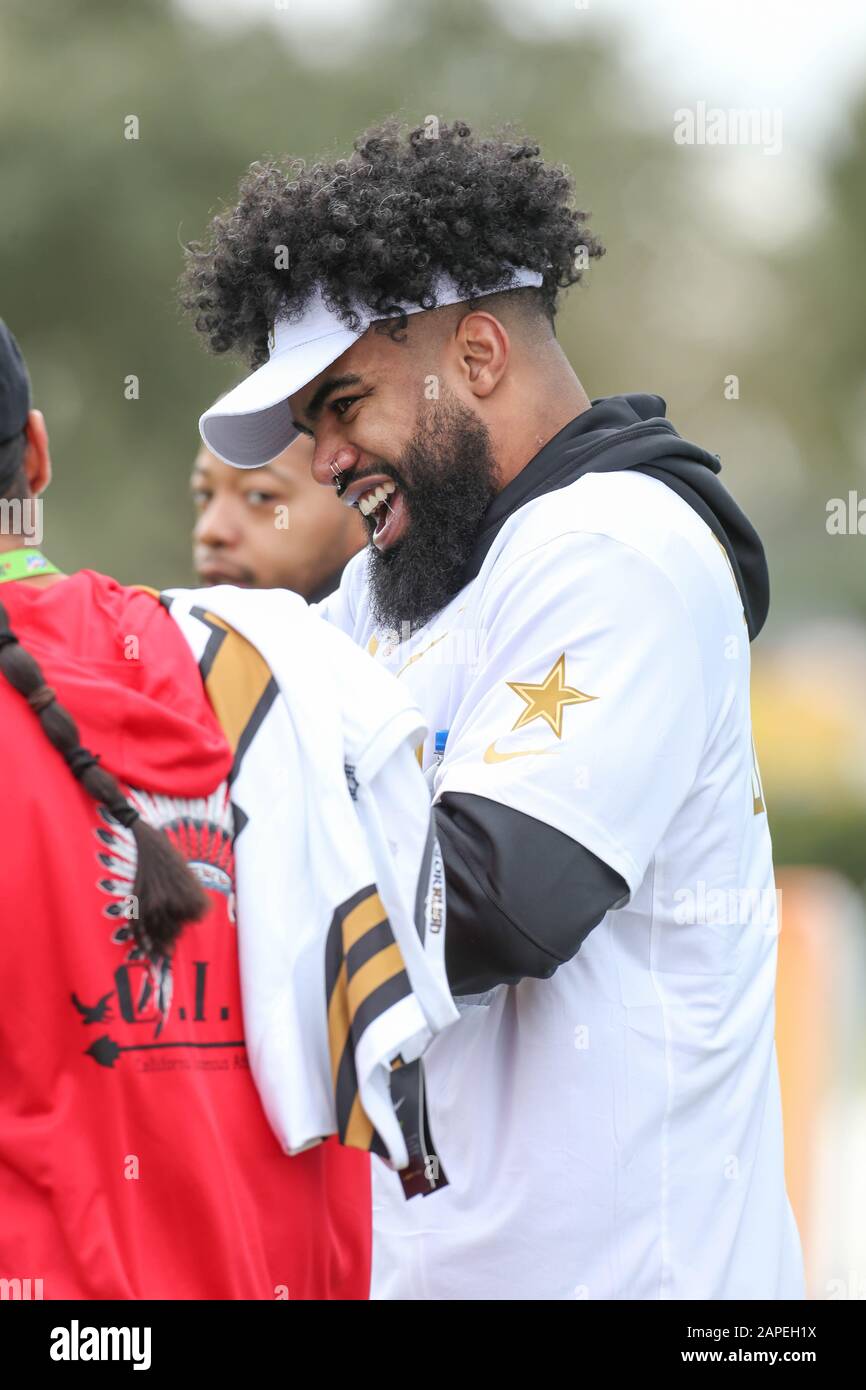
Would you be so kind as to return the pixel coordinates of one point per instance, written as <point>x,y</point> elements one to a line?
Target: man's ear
<point>37,456</point>
<point>483,348</point>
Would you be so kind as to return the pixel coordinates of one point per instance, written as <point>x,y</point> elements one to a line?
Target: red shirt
<point>135,1157</point>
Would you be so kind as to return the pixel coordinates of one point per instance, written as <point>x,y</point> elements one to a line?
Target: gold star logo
<point>548,699</point>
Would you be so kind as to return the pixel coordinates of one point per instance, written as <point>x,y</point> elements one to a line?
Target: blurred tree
<point>93,221</point>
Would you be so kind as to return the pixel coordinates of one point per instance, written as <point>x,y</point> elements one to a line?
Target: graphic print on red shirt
<point>135,1158</point>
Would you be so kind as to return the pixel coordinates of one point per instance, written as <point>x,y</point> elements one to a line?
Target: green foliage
<point>90,240</point>
<point>836,840</point>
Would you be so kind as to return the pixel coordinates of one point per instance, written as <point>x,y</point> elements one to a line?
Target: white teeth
<point>371,500</point>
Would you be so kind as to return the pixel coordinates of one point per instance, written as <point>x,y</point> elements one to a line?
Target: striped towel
<point>340,884</point>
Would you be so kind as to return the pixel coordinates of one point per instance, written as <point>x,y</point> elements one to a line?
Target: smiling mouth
<point>373,502</point>
<point>391,520</point>
<point>380,501</point>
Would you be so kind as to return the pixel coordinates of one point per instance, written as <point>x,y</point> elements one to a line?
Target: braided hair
<point>166,890</point>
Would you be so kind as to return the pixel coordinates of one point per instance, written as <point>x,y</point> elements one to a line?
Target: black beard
<point>448,478</point>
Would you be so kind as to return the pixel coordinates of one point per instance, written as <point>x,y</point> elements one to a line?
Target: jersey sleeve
<point>586,707</point>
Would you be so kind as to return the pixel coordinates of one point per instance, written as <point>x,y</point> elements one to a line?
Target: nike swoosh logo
<point>492,756</point>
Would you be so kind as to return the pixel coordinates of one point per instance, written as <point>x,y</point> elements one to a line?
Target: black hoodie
<point>620,432</point>
<point>502,924</point>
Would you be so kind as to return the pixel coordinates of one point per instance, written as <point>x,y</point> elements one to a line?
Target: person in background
<point>271,527</point>
<point>136,1161</point>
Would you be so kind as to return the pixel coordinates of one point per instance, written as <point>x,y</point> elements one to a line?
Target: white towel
<point>340,885</point>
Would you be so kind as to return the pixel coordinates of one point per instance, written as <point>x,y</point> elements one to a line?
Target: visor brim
<point>252,424</point>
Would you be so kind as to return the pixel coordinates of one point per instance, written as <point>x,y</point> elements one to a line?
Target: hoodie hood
<point>631,431</point>
<point>120,665</point>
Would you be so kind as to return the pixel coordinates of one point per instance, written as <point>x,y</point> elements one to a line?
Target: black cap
<point>14,387</point>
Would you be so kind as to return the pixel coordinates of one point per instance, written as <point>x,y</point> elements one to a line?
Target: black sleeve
<point>520,896</point>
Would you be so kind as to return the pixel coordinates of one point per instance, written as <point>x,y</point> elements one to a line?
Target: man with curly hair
<point>569,592</point>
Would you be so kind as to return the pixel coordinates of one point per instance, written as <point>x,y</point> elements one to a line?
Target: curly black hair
<point>378,227</point>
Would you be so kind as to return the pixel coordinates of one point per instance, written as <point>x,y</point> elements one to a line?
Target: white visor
<point>252,424</point>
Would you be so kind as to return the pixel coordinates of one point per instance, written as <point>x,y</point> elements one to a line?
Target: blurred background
<point>733,286</point>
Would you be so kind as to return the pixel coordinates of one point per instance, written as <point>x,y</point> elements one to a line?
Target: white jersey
<point>615,1131</point>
